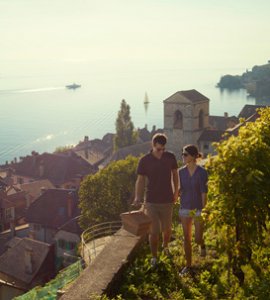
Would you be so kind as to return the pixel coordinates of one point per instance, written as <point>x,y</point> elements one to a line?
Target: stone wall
<point>104,274</point>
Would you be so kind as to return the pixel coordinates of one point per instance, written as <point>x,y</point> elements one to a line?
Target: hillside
<point>256,81</point>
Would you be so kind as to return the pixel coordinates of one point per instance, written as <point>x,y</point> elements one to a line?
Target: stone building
<point>186,116</point>
<point>187,121</point>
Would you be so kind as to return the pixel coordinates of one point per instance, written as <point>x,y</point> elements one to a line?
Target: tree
<point>230,82</point>
<point>239,193</point>
<point>125,134</point>
<point>62,149</point>
<point>106,194</point>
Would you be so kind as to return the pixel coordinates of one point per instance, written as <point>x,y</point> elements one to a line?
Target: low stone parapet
<point>103,275</point>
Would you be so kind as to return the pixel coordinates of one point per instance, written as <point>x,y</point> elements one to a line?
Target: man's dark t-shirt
<point>159,174</point>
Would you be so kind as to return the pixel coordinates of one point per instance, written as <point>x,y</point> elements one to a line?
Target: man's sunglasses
<point>185,154</point>
<point>160,149</point>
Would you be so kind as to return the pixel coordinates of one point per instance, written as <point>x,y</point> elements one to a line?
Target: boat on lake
<point>73,86</point>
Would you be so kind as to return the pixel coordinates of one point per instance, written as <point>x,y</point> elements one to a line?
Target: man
<point>157,169</point>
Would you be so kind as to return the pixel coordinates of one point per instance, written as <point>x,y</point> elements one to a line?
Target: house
<point>12,209</point>
<point>95,151</point>
<point>206,139</point>
<point>5,176</point>
<point>144,135</point>
<point>235,130</point>
<point>134,150</point>
<point>3,184</point>
<point>187,121</point>
<point>249,113</point>
<point>186,116</point>
<point>34,189</point>
<point>249,110</point>
<point>26,264</point>
<point>7,212</point>
<point>62,170</point>
<point>67,240</point>
<point>12,189</point>
<point>20,204</point>
<point>20,231</point>
<point>50,211</point>
<point>222,122</point>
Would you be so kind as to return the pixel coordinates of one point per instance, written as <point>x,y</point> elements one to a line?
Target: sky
<point>40,35</point>
<point>117,49</point>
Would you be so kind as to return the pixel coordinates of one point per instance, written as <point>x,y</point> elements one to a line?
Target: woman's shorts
<point>192,213</point>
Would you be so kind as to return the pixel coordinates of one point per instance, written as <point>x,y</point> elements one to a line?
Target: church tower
<point>186,115</point>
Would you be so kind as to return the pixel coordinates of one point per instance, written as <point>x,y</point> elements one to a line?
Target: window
<point>201,119</point>
<point>178,120</point>
<point>9,214</point>
<point>61,244</point>
<point>61,211</point>
<point>205,146</point>
<point>72,245</point>
<point>20,180</point>
<point>36,227</point>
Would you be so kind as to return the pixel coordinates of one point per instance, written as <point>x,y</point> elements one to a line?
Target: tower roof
<point>190,95</point>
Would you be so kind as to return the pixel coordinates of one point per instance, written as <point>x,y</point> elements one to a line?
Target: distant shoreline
<point>256,82</point>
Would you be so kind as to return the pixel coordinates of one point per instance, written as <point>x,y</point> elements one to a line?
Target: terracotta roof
<point>92,156</point>
<point>58,168</point>
<point>144,134</point>
<point>7,240</point>
<point>99,144</point>
<point>13,200</point>
<point>108,139</point>
<point>249,110</point>
<point>72,226</point>
<point>4,239</point>
<point>95,151</point>
<point>12,262</point>
<point>12,189</point>
<point>191,95</point>
<point>13,242</point>
<point>3,185</point>
<point>235,130</point>
<point>134,150</point>
<point>16,196</point>
<point>51,208</point>
<point>211,135</point>
<point>4,203</point>
<point>34,188</point>
<point>18,201</point>
<point>221,122</point>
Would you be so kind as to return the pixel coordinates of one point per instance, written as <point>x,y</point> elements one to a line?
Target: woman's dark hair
<point>159,138</point>
<point>192,150</point>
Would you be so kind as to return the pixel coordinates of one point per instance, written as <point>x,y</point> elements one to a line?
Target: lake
<point>39,113</point>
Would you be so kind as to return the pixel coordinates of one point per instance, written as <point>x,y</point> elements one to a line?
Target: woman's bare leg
<point>187,229</point>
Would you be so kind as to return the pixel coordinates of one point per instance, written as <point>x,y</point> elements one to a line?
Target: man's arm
<point>175,184</point>
<point>139,189</point>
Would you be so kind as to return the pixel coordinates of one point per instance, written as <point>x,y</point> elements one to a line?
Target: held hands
<point>175,197</point>
<point>136,202</point>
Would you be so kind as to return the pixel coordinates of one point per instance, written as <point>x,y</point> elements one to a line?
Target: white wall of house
<point>42,233</point>
<point>206,148</point>
<point>66,244</point>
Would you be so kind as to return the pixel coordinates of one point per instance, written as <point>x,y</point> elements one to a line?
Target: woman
<point>193,197</point>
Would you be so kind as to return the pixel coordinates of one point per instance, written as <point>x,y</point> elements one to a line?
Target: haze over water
<point>115,50</point>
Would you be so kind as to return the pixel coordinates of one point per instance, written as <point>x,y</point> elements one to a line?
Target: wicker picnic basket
<point>136,222</point>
